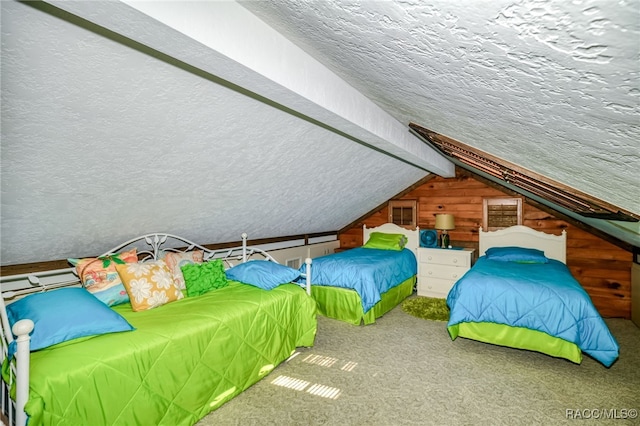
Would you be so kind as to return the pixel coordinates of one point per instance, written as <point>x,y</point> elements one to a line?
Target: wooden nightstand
<point>439,269</point>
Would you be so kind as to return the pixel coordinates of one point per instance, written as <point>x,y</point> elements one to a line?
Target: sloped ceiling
<point>115,125</point>
<point>553,87</point>
<point>199,119</point>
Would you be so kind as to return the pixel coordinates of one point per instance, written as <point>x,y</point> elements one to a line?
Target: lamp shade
<point>445,222</point>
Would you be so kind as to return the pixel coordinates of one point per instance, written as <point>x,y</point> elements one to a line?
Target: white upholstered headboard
<point>413,235</point>
<point>553,246</point>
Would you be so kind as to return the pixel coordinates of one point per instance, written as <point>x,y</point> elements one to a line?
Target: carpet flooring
<point>429,308</point>
<point>405,370</point>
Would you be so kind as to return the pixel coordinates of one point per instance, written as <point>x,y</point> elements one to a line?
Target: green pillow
<point>200,278</point>
<point>383,241</point>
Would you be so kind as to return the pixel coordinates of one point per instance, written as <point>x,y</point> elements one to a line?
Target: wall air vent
<point>294,263</point>
<point>526,180</point>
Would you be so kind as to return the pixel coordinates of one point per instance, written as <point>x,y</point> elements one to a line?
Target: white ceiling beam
<point>227,41</point>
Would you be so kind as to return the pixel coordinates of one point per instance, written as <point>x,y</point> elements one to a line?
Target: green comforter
<point>184,359</point>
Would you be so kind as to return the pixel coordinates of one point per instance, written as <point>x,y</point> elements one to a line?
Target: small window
<point>501,213</point>
<point>403,213</point>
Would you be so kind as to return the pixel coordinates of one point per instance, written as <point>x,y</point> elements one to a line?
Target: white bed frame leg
<point>244,247</point>
<point>307,261</point>
<point>22,329</point>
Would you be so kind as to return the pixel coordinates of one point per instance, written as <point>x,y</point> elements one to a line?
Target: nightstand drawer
<point>429,271</point>
<point>446,257</point>
<point>439,269</point>
<point>434,287</point>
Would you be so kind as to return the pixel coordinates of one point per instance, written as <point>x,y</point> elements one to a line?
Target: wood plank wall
<point>602,268</point>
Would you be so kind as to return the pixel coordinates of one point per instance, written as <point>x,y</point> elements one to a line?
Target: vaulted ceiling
<point>209,119</point>
<point>551,88</point>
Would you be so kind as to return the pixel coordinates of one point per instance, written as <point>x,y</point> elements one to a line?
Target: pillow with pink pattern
<point>176,260</point>
<point>99,276</point>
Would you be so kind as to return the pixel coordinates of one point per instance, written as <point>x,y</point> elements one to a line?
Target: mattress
<point>369,272</point>
<point>536,296</point>
<point>344,304</point>
<point>184,359</point>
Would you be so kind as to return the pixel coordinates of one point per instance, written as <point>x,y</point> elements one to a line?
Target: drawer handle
<point>455,260</point>
<point>430,272</point>
<point>455,275</point>
<point>429,257</point>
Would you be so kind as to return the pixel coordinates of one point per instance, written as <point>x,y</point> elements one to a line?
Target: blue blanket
<point>543,297</point>
<point>370,272</point>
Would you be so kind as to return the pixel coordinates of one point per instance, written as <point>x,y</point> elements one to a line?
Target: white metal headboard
<point>149,247</point>
<point>413,235</point>
<point>553,246</point>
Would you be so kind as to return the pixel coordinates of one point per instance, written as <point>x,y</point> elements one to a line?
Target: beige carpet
<point>406,371</point>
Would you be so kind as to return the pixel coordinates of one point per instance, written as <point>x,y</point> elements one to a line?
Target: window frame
<point>404,204</point>
<point>502,201</point>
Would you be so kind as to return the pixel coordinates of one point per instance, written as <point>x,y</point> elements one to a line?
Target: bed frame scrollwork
<point>149,247</point>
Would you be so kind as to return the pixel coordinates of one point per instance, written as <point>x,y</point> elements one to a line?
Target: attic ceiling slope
<point>583,210</point>
<point>555,192</point>
<point>551,86</point>
<point>103,140</point>
<point>226,40</point>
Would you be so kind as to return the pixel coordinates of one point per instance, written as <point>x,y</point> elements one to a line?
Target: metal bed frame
<point>149,247</point>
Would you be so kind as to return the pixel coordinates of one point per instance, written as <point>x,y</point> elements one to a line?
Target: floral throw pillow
<point>99,276</point>
<point>149,284</point>
<point>175,261</point>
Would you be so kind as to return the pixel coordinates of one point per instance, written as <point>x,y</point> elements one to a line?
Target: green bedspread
<point>184,359</point>
<point>344,304</point>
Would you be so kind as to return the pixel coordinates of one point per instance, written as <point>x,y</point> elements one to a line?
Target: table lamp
<point>444,222</point>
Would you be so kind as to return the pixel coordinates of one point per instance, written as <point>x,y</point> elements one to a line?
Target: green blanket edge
<point>517,337</point>
<point>344,304</point>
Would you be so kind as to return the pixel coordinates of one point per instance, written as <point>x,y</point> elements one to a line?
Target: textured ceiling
<point>551,86</point>
<point>102,142</point>
<point>169,116</point>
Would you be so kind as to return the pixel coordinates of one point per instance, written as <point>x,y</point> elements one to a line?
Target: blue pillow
<point>516,254</point>
<point>262,273</point>
<point>65,314</point>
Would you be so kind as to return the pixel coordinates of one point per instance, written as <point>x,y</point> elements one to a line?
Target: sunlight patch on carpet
<point>291,383</point>
<point>293,355</point>
<point>349,366</point>
<point>324,391</point>
<point>323,361</point>
<point>316,389</point>
<point>429,308</point>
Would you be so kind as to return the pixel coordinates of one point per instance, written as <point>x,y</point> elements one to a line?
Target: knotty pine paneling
<point>603,269</point>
